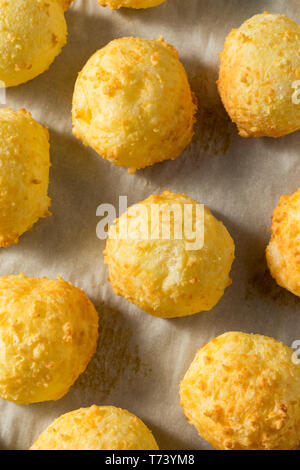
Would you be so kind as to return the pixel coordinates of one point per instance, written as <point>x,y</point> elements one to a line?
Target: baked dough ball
<point>259,66</point>
<point>48,334</point>
<point>24,174</point>
<point>133,104</point>
<point>169,277</point>
<point>96,428</point>
<point>283,251</point>
<point>242,392</point>
<point>115,4</point>
<point>33,33</point>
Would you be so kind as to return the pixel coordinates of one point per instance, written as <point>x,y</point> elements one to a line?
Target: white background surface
<point>140,359</point>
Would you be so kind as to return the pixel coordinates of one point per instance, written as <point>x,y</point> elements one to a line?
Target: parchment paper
<point>141,360</point>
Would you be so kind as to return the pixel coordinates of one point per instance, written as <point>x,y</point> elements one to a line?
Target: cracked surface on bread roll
<point>283,251</point>
<point>242,392</point>
<point>33,33</point>
<point>48,334</point>
<point>132,103</point>
<point>167,277</point>
<point>96,428</point>
<point>259,67</point>
<point>24,174</point>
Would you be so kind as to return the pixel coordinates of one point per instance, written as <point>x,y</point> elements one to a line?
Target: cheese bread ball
<point>242,392</point>
<point>133,104</point>
<point>33,33</point>
<point>96,428</point>
<point>283,251</point>
<point>259,66</point>
<point>169,277</point>
<point>48,334</point>
<point>24,174</point>
<point>115,4</point>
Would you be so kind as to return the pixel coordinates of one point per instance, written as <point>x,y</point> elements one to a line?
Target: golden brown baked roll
<point>242,392</point>
<point>283,251</point>
<point>24,174</point>
<point>96,428</point>
<point>33,33</point>
<point>259,67</point>
<point>115,4</point>
<point>48,334</point>
<point>132,103</point>
<point>169,277</point>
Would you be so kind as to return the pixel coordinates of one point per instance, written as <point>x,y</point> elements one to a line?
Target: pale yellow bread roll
<point>96,428</point>
<point>132,103</point>
<point>48,334</point>
<point>24,174</point>
<point>283,251</point>
<point>259,67</point>
<point>33,33</point>
<point>115,4</point>
<point>169,277</point>
<point>242,392</point>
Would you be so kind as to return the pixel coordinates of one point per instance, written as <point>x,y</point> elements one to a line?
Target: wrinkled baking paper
<point>141,360</point>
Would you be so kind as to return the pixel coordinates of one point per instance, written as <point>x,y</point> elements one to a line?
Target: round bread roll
<point>115,4</point>
<point>48,334</point>
<point>96,428</point>
<point>259,67</point>
<point>33,33</point>
<point>24,174</point>
<point>169,276</point>
<point>283,251</point>
<point>242,392</point>
<point>132,103</point>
